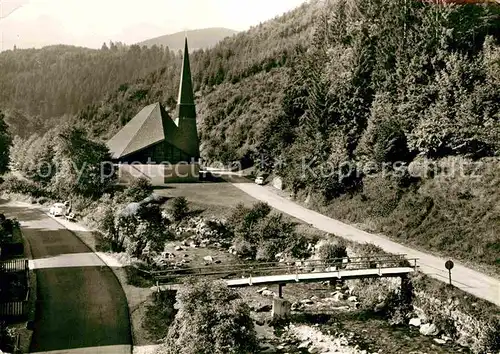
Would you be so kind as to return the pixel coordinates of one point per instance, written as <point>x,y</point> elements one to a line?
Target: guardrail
<point>14,265</point>
<point>17,309</point>
<point>269,268</point>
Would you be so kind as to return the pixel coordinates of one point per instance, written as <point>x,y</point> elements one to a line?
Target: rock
<point>208,259</point>
<point>439,341</point>
<point>352,299</point>
<point>264,308</point>
<point>277,183</point>
<point>314,350</point>
<point>379,307</point>
<point>429,329</point>
<point>303,345</point>
<point>280,347</point>
<point>218,261</point>
<point>314,298</point>
<point>193,245</point>
<point>260,322</point>
<point>296,306</point>
<point>415,322</point>
<point>178,248</point>
<point>261,290</point>
<point>268,349</point>
<point>307,302</point>
<point>445,338</point>
<point>268,293</point>
<point>338,296</point>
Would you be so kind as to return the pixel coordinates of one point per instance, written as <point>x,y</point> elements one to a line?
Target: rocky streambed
<point>333,322</point>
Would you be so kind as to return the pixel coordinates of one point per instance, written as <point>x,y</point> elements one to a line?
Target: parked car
<point>259,180</point>
<point>58,209</point>
<point>71,217</point>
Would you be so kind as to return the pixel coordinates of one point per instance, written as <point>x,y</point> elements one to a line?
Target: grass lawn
<point>210,199</point>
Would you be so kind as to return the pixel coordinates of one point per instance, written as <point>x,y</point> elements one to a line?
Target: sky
<point>89,23</point>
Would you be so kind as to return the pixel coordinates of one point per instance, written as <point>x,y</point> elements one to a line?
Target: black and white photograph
<point>250,176</point>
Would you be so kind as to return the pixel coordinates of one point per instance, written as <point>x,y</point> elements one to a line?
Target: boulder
<point>338,296</point>
<point>297,306</point>
<point>352,299</point>
<point>209,259</point>
<point>304,345</point>
<point>277,183</point>
<point>446,338</point>
<point>429,329</point>
<point>261,290</point>
<point>178,248</point>
<point>415,322</point>
<point>268,293</point>
<point>439,341</point>
<point>264,308</point>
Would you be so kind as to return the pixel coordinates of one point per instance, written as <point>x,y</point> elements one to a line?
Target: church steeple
<point>187,134</point>
<point>185,101</point>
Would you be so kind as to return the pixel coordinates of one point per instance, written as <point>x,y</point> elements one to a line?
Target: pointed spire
<point>185,101</point>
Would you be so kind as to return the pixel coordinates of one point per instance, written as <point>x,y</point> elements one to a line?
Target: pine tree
<point>5,143</point>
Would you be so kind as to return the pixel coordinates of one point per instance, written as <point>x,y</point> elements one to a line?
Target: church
<point>164,149</point>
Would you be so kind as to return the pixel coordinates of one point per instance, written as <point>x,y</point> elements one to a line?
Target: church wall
<point>159,175</point>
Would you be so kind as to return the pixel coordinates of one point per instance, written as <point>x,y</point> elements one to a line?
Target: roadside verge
<point>136,297</point>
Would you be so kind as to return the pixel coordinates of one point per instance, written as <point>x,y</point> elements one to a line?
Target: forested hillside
<point>355,82</point>
<point>41,87</point>
<point>319,94</point>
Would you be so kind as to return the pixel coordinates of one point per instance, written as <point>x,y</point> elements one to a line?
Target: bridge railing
<point>14,265</point>
<point>270,268</point>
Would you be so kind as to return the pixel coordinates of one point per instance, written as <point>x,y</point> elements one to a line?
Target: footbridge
<point>281,273</point>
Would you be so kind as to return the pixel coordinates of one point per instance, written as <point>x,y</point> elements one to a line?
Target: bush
<point>212,319</point>
<point>160,314</point>
<point>179,208</point>
<point>244,248</point>
<point>137,277</point>
<point>331,251</point>
<point>267,250</point>
<point>25,187</point>
<point>138,190</point>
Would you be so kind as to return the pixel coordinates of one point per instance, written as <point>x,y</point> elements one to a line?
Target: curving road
<point>469,280</point>
<point>81,307</point>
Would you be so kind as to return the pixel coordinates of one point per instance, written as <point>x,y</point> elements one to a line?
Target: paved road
<point>80,309</point>
<point>469,280</point>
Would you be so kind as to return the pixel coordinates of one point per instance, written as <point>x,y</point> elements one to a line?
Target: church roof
<point>144,130</point>
<point>153,125</point>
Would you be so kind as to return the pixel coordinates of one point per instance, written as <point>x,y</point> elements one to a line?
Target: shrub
<point>25,187</point>
<point>160,314</point>
<point>137,277</point>
<point>298,247</point>
<point>244,248</point>
<point>331,251</point>
<point>268,249</point>
<point>212,319</point>
<point>138,190</point>
<point>7,338</point>
<point>179,208</point>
